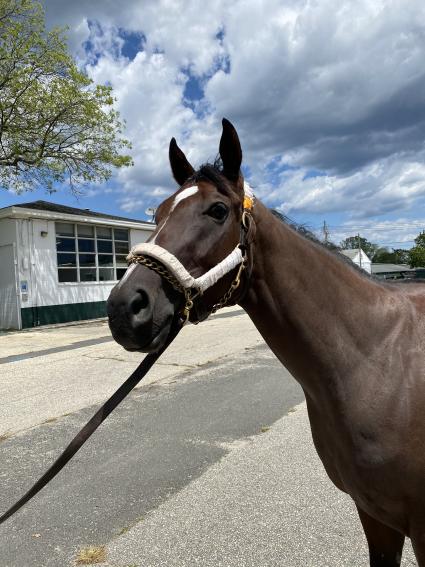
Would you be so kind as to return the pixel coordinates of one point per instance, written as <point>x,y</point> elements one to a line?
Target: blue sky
<point>328,99</point>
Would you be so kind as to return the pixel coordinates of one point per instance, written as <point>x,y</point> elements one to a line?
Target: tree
<point>353,242</point>
<point>401,256</point>
<point>56,126</point>
<point>384,256</point>
<point>396,256</point>
<point>417,253</point>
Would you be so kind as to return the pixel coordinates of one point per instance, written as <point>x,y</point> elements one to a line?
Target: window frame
<point>98,267</point>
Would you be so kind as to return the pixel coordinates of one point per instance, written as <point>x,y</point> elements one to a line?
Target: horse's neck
<point>314,311</point>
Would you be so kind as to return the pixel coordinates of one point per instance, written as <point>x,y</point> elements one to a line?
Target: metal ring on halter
<point>246,219</point>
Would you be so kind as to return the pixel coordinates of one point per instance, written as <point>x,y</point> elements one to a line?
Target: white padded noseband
<point>177,269</point>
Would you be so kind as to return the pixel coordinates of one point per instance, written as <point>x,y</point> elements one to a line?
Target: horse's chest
<point>363,460</point>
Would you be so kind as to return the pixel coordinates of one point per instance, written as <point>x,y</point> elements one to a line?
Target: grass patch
<point>91,555</point>
<point>264,428</point>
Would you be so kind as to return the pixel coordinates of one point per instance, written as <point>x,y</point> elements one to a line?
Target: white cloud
<point>386,185</point>
<point>395,233</point>
<point>337,86</point>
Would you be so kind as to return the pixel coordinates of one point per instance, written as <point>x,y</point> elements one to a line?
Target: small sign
<point>24,286</point>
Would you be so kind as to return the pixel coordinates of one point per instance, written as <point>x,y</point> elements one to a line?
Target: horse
<point>354,343</point>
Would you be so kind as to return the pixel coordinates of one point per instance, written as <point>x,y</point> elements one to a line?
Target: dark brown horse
<point>357,346</point>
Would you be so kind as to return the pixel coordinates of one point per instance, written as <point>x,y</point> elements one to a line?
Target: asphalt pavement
<point>209,463</point>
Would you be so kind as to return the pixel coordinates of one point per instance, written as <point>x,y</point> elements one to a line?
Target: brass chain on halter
<point>159,269</point>
<point>246,223</point>
<point>233,287</point>
<point>164,273</point>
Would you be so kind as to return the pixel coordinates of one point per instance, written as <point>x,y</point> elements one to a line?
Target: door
<point>9,301</point>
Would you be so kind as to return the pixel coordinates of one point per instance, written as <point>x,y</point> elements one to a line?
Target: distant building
<point>59,263</point>
<point>394,271</point>
<point>360,258</point>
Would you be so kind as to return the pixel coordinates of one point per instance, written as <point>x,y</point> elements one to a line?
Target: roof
<point>64,209</point>
<point>353,252</point>
<point>391,268</point>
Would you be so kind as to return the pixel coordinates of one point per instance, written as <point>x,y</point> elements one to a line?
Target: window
<point>89,253</point>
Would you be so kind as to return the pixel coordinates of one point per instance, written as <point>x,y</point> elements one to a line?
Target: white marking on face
<point>188,192</point>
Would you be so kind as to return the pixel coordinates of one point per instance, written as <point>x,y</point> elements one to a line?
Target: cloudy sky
<point>328,97</point>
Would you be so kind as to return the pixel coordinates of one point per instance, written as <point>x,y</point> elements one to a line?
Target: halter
<point>172,270</point>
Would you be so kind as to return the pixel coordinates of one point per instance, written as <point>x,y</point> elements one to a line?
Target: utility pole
<point>325,231</point>
<point>360,249</point>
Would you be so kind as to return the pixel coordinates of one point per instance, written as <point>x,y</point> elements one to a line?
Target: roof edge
<point>22,212</point>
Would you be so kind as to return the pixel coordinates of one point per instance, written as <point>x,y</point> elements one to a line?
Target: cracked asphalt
<point>208,462</point>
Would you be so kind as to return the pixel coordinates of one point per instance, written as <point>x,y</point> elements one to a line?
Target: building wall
<point>365,262</point>
<point>9,300</point>
<point>47,300</point>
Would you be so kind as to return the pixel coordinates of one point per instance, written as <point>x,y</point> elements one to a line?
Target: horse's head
<point>197,227</point>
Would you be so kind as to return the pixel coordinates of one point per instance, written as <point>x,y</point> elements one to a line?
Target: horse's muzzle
<point>140,312</point>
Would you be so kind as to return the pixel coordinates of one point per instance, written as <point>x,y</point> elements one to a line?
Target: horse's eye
<point>218,211</point>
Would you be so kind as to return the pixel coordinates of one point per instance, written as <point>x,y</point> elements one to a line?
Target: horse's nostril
<point>139,302</point>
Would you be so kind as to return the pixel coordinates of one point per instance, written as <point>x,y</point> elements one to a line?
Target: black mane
<point>213,173</point>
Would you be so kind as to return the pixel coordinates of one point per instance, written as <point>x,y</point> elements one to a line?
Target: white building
<point>360,258</point>
<point>59,263</point>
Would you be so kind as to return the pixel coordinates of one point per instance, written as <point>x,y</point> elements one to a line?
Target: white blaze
<point>188,192</point>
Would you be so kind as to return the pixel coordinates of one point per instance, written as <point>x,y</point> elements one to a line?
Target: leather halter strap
<point>165,264</point>
<point>98,418</point>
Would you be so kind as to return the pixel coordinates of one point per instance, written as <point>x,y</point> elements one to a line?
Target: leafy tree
<point>384,256</point>
<point>417,253</point>
<point>417,257</point>
<point>420,239</point>
<point>396,256</point>
<point>55,125</point>
<point>401,256</point>
<point>353,242</point>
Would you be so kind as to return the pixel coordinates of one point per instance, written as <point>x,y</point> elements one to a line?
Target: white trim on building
<point>30,291</point>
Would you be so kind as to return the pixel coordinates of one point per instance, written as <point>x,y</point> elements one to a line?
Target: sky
<point>328,98</point>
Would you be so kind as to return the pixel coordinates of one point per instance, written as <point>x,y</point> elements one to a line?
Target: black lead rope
<point>94,422</point>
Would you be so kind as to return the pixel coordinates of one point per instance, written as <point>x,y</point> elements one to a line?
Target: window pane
<point>85,230</point>
<point>87,260</point>
<point>106,274</point>
<point>65,244</point>
<point>67,275</point>
<point>104,232</point>
<point>85,245</point>
<point>121,247</point>
<point>64,229</point>
<point>69,260</point>
<point>88,274</point>
<point>106,260</point>
<point>121,260</point>
<point>121,272</point>
<point>120,234</point>
<point>103,246</point>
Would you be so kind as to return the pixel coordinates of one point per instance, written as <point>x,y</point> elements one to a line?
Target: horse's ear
<point>230,151</point>
<point>180,167</point>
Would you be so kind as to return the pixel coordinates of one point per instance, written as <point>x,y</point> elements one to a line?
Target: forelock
<point>212,173</point>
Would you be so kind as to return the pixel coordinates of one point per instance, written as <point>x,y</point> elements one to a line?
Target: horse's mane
<point>304,231</point>
<point>213,172</point>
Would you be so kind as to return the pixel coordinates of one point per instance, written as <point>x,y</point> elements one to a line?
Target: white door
<point>9,302</point>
